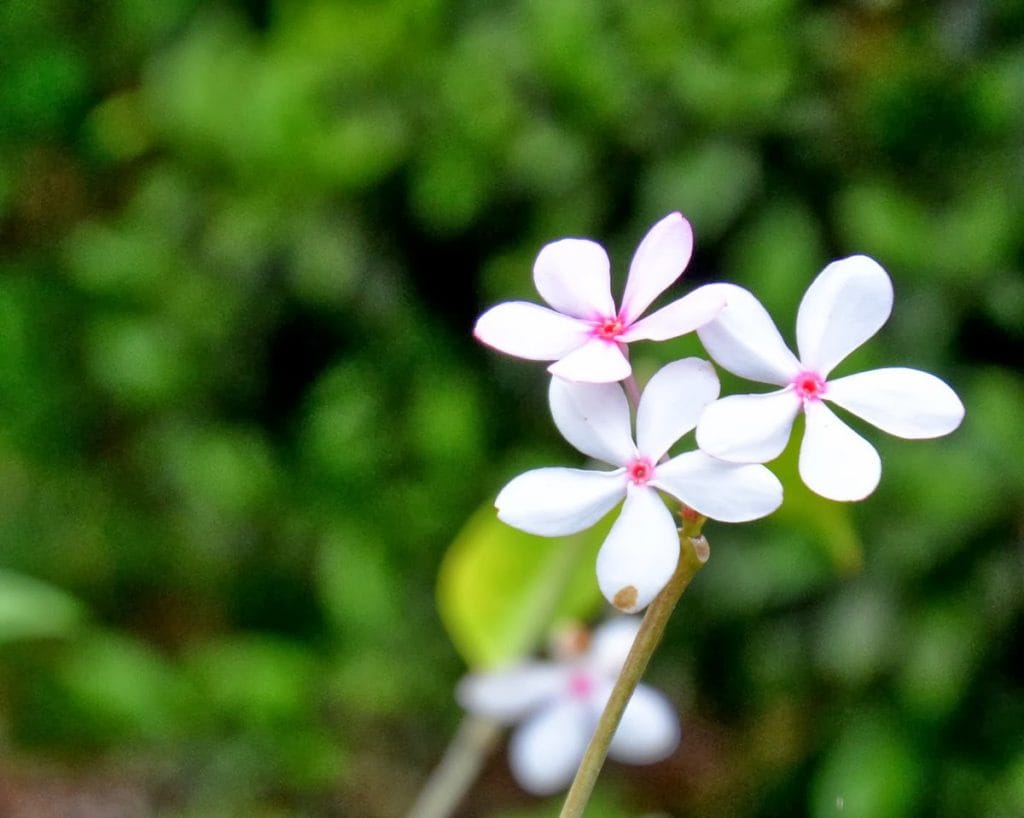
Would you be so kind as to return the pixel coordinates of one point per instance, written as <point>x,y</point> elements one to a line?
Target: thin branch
<point>693,555</point>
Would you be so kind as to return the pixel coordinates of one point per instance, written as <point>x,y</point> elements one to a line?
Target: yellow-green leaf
<point>499,588</point>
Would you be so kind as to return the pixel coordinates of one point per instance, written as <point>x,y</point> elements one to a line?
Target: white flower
<point>559,705</point>
<point>585,334</point>
<point>642,549</point>
<point>844,306</point>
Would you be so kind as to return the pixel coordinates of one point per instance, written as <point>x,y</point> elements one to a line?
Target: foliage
<point>241,416</point>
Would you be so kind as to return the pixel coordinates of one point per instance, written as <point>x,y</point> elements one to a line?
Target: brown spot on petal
<point>625,600</point>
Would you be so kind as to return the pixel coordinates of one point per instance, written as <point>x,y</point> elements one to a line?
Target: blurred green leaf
<point>32,609</point>
<point>871,772</point>
<point>500,588</point>
<point>711,183</point>
<point>120,689</point>
<point>941,645</point>
<point>256,681</point>
<point>828,523</point>
<point>777,255</point>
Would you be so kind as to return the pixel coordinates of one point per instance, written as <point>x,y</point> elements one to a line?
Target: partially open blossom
<point>844,306</point>
<point>584,334</point>
<point>642,549</point>
<point>557,706</point>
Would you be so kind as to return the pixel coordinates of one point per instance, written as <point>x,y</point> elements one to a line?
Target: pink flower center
<point>608,329</point>
<point>809,385</point>
<point>581,685</point>
<point>640,471</point>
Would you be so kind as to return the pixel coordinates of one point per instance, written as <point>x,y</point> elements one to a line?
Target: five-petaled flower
<point>585,335</point>
<point>844,306</point>
<point>641,551</point>
<point>559,704</point>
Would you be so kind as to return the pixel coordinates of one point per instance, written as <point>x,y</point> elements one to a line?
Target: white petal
<point>903,402</point>
<point>640,553</point>
<point>530,331</point>
<point>510,693</point>
<point>678,318</point>
<point>659,260</point>
<point>649,730</point>
<point>672,403</point>
<point>546,750</point>
<point>593,417</point>
<point>748,428</point>
<point>844,306</point>
<point>597,361</point>
<point>572,275</point>
<point>835,461</point>
<point>730,492</point>
<point>611,644</point>
<point>556,501</point>
<point>744,339</point>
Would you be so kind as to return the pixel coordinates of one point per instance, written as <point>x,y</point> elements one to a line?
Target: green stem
<point>693,555</point>
<point>477,736</point>
<point>473,742</point>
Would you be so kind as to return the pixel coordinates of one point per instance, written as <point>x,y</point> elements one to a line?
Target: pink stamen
<point>809,385</point>
<point>581,685</point>
<point>640,471</point>
<point>608,329</point>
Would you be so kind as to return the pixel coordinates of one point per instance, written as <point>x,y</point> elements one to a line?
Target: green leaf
<point>872,770</point>
<point>499,588</point>
<point>829,523</point>
<point>31,609</point>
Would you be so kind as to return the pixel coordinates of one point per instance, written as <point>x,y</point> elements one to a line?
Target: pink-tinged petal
<point>508,694</point>
<point>748,428</point>
<point>611,644</point>
<point>744,339</point>
<point>546,750</point>
<point>672,404</point>
<point>597,361</point>
<point>649,730</point>
<point>640,553</point>
<point>730,492</point>
<point>530,331</point>
<point>659,260</point>
<point>678,318</point>
<point>903,402</point>
<point>844,306</point>
<point>573,276</point>
<point>835,461</point>
<point>556,501</point>
<point>593,417</point>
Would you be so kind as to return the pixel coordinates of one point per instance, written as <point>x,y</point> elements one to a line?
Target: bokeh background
<point>242,246</point>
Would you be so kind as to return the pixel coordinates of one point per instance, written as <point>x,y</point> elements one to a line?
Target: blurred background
<point>242,247</point>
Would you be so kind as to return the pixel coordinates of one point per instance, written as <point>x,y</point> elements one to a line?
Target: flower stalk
<point>693,554</point>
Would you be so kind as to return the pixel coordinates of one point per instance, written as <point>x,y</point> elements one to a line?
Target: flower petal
<point>640,552</point>
<point>844,306</point>
<point>649,730</point>
<point>835,461</point>
<point>556,501</point>
<point>659,260</point>
<point>510,693</point>
<point>545,751</point>
<point>593,417</point>
<point>573,276</point>
<point>678,318</point>
<point>597,361</point>
<point>903,402</point>
<point>530,331</point>
<point>730,492</point>
<point>748,428</point>
<point>744,339</point>
<point>611,643</point>
<point>672,404</point>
